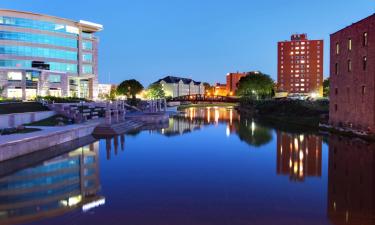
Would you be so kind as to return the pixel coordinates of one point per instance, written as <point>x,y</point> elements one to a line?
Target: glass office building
<point>44,55</point>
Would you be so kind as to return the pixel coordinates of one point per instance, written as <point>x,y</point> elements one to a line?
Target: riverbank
<point>291,112</point>
<point>182,107</point>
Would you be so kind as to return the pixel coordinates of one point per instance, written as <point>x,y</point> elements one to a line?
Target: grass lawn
<point>23,131</point>
<point>22,107</point>
<point>50,122</point>
<point>182,107</point>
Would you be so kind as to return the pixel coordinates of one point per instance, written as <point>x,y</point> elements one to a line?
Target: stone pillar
<point>108,119</point>
<point>115,116</point>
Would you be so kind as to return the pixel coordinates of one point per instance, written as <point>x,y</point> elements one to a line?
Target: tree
<point>155,91</point>
<point>208,88</point>
<point>257,86</point>
<point>112,93</point>
<point>130,88</point>
<point>326,87</point>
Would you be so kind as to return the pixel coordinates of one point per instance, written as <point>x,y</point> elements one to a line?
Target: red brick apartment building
<point>234,78</point>
<point>352,95</point>
<point>300,66</point>
<point>232,81</point>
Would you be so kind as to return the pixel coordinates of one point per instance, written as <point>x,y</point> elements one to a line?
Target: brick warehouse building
<point>353,76</point>
<point>300,66</point>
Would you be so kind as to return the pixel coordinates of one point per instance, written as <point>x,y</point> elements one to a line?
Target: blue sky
<point>200,39</point>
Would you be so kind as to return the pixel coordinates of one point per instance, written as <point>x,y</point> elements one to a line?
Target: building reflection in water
<point>351,182</point>
<point>193,119</point>
<point>108,145</point>
<point>57,186</point>
<point>299,156</point>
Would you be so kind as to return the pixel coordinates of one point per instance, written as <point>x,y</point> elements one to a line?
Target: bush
<point>62,99</point>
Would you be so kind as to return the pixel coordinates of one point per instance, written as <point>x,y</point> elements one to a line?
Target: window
<point>336,107</point>
<point>350,44</point>
<point>364,62</point>
<point>87,69</point>
<point>336,91</point>
<point>14,76</point>
<point>336,68</point>
<point>87,45</point>
<point>54,78</point>
<point>363,90</point>
<point>349,65</point>
<point>87,57</point>
<point>365,39</point>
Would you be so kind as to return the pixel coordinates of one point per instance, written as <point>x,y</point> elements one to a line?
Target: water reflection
<point>299,155</point>
<point>55,187</point>
<point>194,119</point>
<point>199,185</point>
<point>351,184</point>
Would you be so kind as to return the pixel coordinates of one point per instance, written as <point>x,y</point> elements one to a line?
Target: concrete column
<point>115,116</point>
<point>108,117</point>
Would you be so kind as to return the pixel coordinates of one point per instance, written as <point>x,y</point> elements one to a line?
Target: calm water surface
<point>208,166</point>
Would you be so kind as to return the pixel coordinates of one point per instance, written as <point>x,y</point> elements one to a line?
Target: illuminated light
<point>228,131</point>
<point>281,150</point>
<point>290,163</point>
<point>296,143</point>
<point>253,126</point>
<point>334,206</point>
<point>73,30</point>
<point>295,167</point>
<point>301,138</point>
<point>94,204</point>
<point>72,201</point>
<point>301,155</point>
<point>347,216</point>
<point>231,116</point>
<point>162,131</point>
<point>217,115</point>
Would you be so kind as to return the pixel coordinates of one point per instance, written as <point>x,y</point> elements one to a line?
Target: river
<point>209,166</point>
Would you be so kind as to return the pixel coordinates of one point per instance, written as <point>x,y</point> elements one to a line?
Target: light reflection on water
<point>209,166</point>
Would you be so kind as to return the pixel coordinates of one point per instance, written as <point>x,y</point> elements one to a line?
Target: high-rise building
<point>352,80</point>
<point>300,66</point>
<point>45,55</point>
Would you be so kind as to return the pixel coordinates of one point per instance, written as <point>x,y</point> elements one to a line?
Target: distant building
<point>220,89</point>
<point>105,90</point>
<point>352,80</point>
<point>234,78</point>
<point>232,81</point>
<point>300,66</point>
<point>44,55</point>
<point>177,86</point>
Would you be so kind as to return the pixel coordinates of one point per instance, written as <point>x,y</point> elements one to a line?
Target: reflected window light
<point>228,131</point>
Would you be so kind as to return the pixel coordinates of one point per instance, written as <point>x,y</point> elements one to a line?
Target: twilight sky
<point>199,39</point>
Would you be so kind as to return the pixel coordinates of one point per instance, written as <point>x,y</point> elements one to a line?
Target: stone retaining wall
<point>17,119</point>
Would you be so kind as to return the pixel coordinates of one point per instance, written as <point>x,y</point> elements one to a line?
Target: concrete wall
<point>44,140</point>
<point>16,119</point>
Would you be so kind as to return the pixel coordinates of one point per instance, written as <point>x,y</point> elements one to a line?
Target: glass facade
<point>87,69</point>
<point>87,45</point>
<point>39,39</point>
<point>87,57</point>
<point>38,52</point>
<point>37,24</point>
<point>54,66</point>
<point>54,78</point>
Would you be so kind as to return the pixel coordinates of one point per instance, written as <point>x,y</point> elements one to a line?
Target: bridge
<point>205,98</point>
